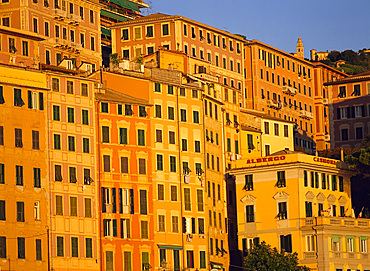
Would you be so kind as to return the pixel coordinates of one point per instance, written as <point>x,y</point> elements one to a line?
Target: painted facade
<point>68,29</point>
<point>349,110</point>
<point>72,176</point>
<point>307,209</point>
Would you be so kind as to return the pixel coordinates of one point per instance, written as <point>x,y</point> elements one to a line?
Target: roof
<point>20,33</point>
<point>283,152</point>
<point>111,95</point>
<point>160,17</point>
<point>248,128</point>
<point>330,68</point>
<point>263,115</point>
<point>365,76</point>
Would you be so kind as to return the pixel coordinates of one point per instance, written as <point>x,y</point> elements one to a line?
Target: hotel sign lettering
<point>266,159</point>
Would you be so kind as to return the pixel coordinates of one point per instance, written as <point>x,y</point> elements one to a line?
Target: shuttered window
<point>88,212</point>
<point>200,200</point>
<point>124,164</point>
<point>187,199</point>
<point>142,166</point>
<point>143,202</point>
<point>73,206</point>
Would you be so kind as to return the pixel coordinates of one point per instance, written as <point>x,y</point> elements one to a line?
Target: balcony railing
<point>336,221</point>
<point>309,255</point>
<point>289,90</point>
<point>305,114</point>
<point>274,104</point>
<point>60,13</point>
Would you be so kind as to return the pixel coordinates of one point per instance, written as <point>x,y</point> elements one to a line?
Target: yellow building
<point>301,203</point>
<point>73,195</point>
<point>24,186</point>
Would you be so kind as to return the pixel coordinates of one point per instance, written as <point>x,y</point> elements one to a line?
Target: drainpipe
<point>180,174</point>
<point>98,174</point>
<point>252,79</point>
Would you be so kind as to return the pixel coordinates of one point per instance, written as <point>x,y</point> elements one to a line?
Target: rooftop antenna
<point>149,9</point>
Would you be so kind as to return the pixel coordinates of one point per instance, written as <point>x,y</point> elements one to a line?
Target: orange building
<point>24,186</point>
<point>125,178</point>
<point>287,86</point>
<point>69,30</point>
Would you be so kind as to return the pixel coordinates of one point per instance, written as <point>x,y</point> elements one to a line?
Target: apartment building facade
<point>72,158</point>
<point>24,182</point>
<point>68,29</point>
<point>308,210</point>
<point>126,208</point>
<point>349,110</point>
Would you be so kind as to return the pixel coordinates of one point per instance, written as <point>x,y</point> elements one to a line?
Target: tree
<point>263,257</point>
<point>360,160</point>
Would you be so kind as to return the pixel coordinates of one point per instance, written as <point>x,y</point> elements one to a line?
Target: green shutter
<point>335,238</point>
<point>115,227</point>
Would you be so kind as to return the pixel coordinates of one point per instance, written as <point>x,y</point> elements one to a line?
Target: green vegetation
<point>356,62</point>
<point>263,257</point>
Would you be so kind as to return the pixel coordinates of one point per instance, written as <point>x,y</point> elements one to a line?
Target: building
<point>73,212</point>
<point>317,56</point>
<point>114,12</point>
<point>288,87</point>
<point>24,186</point>
<point>125,181</point>
<point>68,30</point>
<point>276,134</point>
<point>301,203</point>
<point>322,98</point>
<point>349,110</point>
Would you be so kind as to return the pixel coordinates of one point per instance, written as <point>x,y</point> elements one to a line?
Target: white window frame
<point>37,209</point>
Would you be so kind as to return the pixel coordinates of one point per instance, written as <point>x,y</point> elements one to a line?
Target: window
<point>173,193</point>
<point>149,31</point>
<point>91,16</point>
<point>142,166</point>
<point>2,174</point>
<point>184,144</point>
<point>3,253</point>
<point>286,243</point>
<point>38,250</point>
<point>158,136</point>
<point>249,213</point>
<point>190,259</point>
<point>200,200</point>
<point>35,140</point>
<point>334,183</point>
<point>350,247</point>
<point>286,131</point>
<point>88,207</point>
<point>71,143</point>
<point>160,162</point>
<point>363,244</point>
<point>171,113</point>
<point>141,137</point>
<point>92,43</point>
<point>344,134</point>
<point>308,205</point>
<point>37,177</point>
<point>58,173</point>
<point>18,97</point>
<point>267,128</point>
<point>161,223</point>
<point>183,115</point>
<point>74,245</point>
<point>88,251</point>
<point>2,210</point>
<point>276,129</point>
<point>72,175</point>
<point>158,111</point>
<point>283,213</point>
<point>56,113</point>
<point>123,135</point>
<point>73,206</point>
<point>19,175</point>
<point>196,116</point>
<point>57,145</point>
<point>187,199</point>
<point>18,138</point>
<point>144,229</point>
<point>60,246</point>
<point>165,30</point>
<point>21,247</point>
<point>20,211</point>
<point>106,163</point>
<point>281,179</point>
<point>248,183</point>
<point>71,115</point>
<point>175,224</point>
<point>125,35</point>
<point>356,90</point>
<point>59,205</point>
<point>172,163</point>
<point>341,184</point>
<point>171,136</point>
<point>87,177</point>
<point>160,191</point>
<point>104,107</point>
<point>143,202</point>
<point>359,133</point>
<point>197,146</point>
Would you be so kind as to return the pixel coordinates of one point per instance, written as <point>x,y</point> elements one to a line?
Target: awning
<point>105,31</point>
<point>125,3</point>
<point>113,15</point>
<point>216,265</point>
<point>170,247</point>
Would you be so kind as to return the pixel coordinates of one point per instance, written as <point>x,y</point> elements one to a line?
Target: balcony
<point>289,90</point>
<point>274,104</point>
<point>207,77</point>
<point>60,14</point>
<point>345,222</point>
<point>327,138</point>
<point>309,255</point>
<point>75,19</point>
<point>305,114</point>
